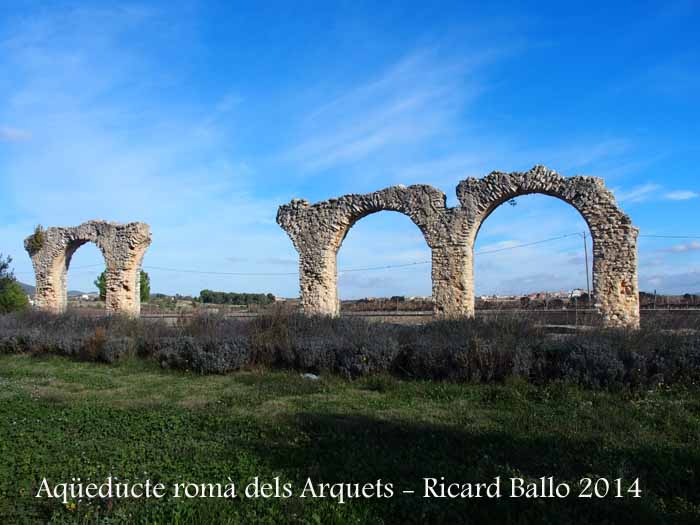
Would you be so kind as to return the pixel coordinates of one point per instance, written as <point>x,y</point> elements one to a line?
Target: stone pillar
<point>318,279</point>
<point>453,278</point>
<point>122,291</point>
<point>615,285</point>
<point>123,279</point>
<point>51,274</point>
<point>50,292</point>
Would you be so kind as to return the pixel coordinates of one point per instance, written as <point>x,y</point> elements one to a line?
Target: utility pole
<point>588,281</point>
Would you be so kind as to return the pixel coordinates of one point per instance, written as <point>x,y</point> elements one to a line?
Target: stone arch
<point>317,232</point>
<point>615,286</point>
<point>122,245</point>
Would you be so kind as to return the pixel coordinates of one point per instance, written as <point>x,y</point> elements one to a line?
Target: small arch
<point>318,230</point>
<point>408,238</point>
<point>415,202</point>
<point>122,245</point>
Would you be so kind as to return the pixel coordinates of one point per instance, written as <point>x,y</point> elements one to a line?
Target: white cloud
<point>681,195</point>
<point>501,245</point>
<point>638,193</point>
<point>105,145</point>
<point>415,99</point>
<point>670,282</point>
<point>683,248</point>
<point>8,134</point>
<point>107,141</point>
<point>574,158</point>
<point>651,190</point>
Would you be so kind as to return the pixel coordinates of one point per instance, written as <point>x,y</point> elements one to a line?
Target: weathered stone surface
<point>318,230</point>
<point>123,247</point>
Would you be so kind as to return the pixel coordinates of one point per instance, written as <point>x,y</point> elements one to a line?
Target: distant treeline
<point>212,297</point>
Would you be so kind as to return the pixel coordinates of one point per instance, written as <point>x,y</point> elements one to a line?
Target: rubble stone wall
<point>317,231</point>
<point>123,247</point>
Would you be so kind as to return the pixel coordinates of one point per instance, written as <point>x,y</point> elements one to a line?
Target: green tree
<point>36,241</point>
<point>214,297</point>
<point>101,285</point>
<point>12,296</point>
<point>145,287</point>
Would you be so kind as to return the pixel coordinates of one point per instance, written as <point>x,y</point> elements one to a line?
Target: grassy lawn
<point>61,419</point>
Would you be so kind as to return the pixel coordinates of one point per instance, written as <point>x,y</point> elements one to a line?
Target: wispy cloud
<point>681,195</point>
<point>638,193</point>
<point>411,101</point>
<point>671,282</point>
<point>279,261</point>
<point>501,245</point>
<point>102,119</point>
<point>112,148</point>
<point>652,190</point>
<point>683,248</point>
<point>583,157</point>
<point>8,134</point>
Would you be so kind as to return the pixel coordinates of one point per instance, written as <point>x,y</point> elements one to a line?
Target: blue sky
<point>201,119</point>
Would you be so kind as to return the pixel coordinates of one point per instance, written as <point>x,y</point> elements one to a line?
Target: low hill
<point>29,290</point>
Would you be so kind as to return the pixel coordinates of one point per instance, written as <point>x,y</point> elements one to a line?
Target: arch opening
<point>84,262</point>
<point>531,256</point>
<point>550,200</point>
<point>375,261</point>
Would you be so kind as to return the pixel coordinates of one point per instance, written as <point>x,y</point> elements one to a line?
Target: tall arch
<point>122,245</point>
<point>317,232</point>
<point>615,286</point>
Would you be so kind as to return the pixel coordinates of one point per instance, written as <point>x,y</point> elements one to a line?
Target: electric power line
<point>386,267</point>
<point>363,269</point>
<point>73,267</point>
<point>373,268</point>
<point>218,273</point>
<point>527,244</point>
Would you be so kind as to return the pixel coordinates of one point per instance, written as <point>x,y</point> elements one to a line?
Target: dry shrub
<point>475,350</point>
<point>94,344</point>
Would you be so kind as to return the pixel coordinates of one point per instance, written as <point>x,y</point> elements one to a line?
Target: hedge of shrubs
<point>460,350</point>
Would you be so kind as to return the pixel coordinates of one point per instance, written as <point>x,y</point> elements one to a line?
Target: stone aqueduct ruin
<point>122,245</point>
<point>317,232</point>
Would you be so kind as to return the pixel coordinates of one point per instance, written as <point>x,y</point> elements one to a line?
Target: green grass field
<point>61,419</point>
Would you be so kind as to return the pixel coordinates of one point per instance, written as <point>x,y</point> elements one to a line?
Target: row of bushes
<point>459,350</point>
